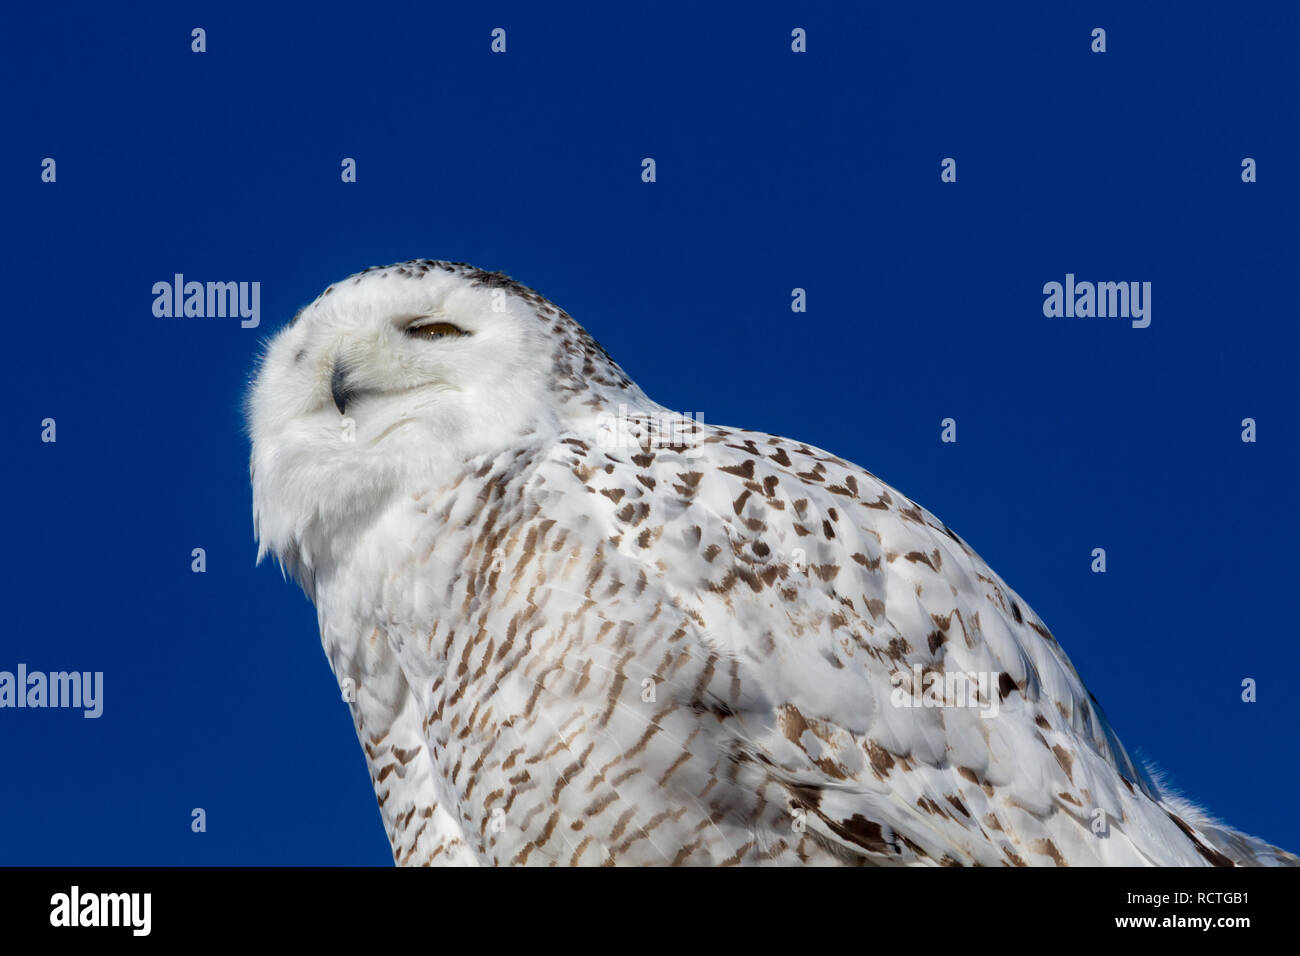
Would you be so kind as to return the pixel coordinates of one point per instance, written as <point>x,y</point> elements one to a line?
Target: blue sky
<point>775,170</point>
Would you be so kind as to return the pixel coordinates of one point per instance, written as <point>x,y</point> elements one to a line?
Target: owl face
<point>382,384</point>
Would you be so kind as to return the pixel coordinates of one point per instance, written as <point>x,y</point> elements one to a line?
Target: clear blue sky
<point>775,171</point>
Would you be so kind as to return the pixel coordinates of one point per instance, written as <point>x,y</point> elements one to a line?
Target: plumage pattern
<point>576,642</point>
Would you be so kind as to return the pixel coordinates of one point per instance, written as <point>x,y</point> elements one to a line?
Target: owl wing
<point>741,650</point>
<point>865,668</point>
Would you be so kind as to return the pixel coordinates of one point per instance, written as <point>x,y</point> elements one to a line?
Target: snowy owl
<point>574,628</point>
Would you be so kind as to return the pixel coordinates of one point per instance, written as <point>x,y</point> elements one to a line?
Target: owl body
<point>578,637</point>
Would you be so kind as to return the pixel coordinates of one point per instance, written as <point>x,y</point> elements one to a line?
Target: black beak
<point>339,388</point>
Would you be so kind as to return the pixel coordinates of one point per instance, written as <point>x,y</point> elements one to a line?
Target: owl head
<point>394,378</point>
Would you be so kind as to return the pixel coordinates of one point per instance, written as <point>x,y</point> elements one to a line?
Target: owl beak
<point>339,388</point>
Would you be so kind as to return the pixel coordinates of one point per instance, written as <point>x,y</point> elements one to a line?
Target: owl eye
<point>434,330</point>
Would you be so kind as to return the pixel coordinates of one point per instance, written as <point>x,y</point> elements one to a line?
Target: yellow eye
<point>435,330</point>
